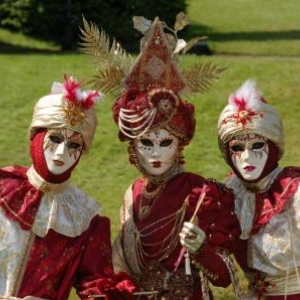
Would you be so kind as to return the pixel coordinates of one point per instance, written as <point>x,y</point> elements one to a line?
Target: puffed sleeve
<point>95,273</point>
<point>217,219</point>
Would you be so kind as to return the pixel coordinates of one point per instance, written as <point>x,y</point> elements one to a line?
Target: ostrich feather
<point>246,97</point>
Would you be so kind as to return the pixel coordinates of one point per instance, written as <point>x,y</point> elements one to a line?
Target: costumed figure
<point>267,197</point>
<point>52,238</point>
<point>177,228</point>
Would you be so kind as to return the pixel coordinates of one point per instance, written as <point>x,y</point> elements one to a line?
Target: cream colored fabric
<point>67,210</point>
<point>46,187</point>
<point>286,284</point>
<point>263,118</point>
<point>130,232</point>
<point>275,249</point>
<point>49,112</point>
<point>14,244</point>
<point>244,200</point>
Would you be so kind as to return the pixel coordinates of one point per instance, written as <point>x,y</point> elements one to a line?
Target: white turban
<point>55,111</point>
<point>247,112</point>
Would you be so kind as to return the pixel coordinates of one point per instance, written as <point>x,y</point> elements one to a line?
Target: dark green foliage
<point>14,13</point>
<point>59,20</point>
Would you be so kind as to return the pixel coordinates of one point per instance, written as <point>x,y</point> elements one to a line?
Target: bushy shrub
<point>59,20</point>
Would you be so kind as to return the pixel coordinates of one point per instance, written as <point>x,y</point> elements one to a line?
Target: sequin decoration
<point>74,113</point>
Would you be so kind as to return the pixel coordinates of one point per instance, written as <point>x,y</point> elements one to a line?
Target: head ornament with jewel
<point>151,86</point>
<point>67,106</point>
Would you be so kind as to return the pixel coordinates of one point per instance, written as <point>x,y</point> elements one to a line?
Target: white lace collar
<point>64,208</point>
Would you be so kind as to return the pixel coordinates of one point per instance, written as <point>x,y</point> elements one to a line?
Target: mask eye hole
<point>258,145</point>
<point>237,148</point>
<point>146,142</point>
<point>73,145</point>
<point>56,139</point>
<point>166,143</point>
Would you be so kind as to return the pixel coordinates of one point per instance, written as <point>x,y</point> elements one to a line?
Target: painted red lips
<point>156,164</point>
<point>249,168</point>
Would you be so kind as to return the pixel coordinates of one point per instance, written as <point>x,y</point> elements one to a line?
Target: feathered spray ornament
<point>115,66</point>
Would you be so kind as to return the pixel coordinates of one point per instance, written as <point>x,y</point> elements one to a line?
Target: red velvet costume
<point>267,197</point>
<point>159,230</point>
<point>52,264</point>
<point>52,238</point>
<point>273,232</point>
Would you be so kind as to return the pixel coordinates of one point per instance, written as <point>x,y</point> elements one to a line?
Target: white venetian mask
<point>62,149</point>
<point>157,151</point>
<point>249,154</point>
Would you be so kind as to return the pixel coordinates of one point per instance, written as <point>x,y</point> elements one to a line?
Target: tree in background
<point>59,20</point>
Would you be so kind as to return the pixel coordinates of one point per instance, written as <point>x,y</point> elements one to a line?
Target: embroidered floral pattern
<point>242,117</point>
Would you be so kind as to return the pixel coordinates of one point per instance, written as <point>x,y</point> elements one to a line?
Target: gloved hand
<point>191,237</point>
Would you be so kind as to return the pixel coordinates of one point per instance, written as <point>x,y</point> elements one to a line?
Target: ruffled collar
<point>68,213</point>
<point>64,208</point>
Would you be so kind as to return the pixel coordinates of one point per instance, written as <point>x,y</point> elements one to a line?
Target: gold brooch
<point>74,113</point>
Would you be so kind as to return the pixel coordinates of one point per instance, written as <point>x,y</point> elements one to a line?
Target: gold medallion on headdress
<point>74,114</point>
<point>156,65</point>
<point>155,68</point>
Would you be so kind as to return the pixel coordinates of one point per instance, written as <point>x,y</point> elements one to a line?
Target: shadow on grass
<point>6,48</point>
<point>200,30</point>
<point>246,36</point>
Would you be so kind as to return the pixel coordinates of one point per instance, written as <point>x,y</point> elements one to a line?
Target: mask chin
<point>270,165</point>
<point>39,162</point>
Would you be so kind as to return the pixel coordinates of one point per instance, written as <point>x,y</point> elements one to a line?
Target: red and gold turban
<point>138,112</point>
<point>67,107</point>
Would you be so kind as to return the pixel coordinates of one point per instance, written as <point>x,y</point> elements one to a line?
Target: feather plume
<point>111,59</point>
<point>246,97</point>
<point>72,92</point>
<point>200,77</point>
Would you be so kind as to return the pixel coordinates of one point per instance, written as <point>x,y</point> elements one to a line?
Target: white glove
<point>191,237</point>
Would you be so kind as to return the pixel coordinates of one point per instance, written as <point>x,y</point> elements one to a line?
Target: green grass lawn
<point>254,39</point>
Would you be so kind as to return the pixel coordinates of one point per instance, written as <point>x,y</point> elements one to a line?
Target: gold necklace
<point>148,198</point>
<point>167,244</point>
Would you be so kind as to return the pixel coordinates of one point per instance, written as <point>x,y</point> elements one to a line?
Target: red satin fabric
<point>273,200</point>
<point>57,262</point>
<point>19,199</point>
<point>215,217</point>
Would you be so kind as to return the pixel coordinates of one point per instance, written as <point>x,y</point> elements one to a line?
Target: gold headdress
<point>156,66</point>
<point>149,86</point>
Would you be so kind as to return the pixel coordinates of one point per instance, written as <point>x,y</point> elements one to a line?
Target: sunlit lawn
<point>241,36</point>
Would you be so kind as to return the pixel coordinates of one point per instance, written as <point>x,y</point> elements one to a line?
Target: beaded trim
<point>233,273</point>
